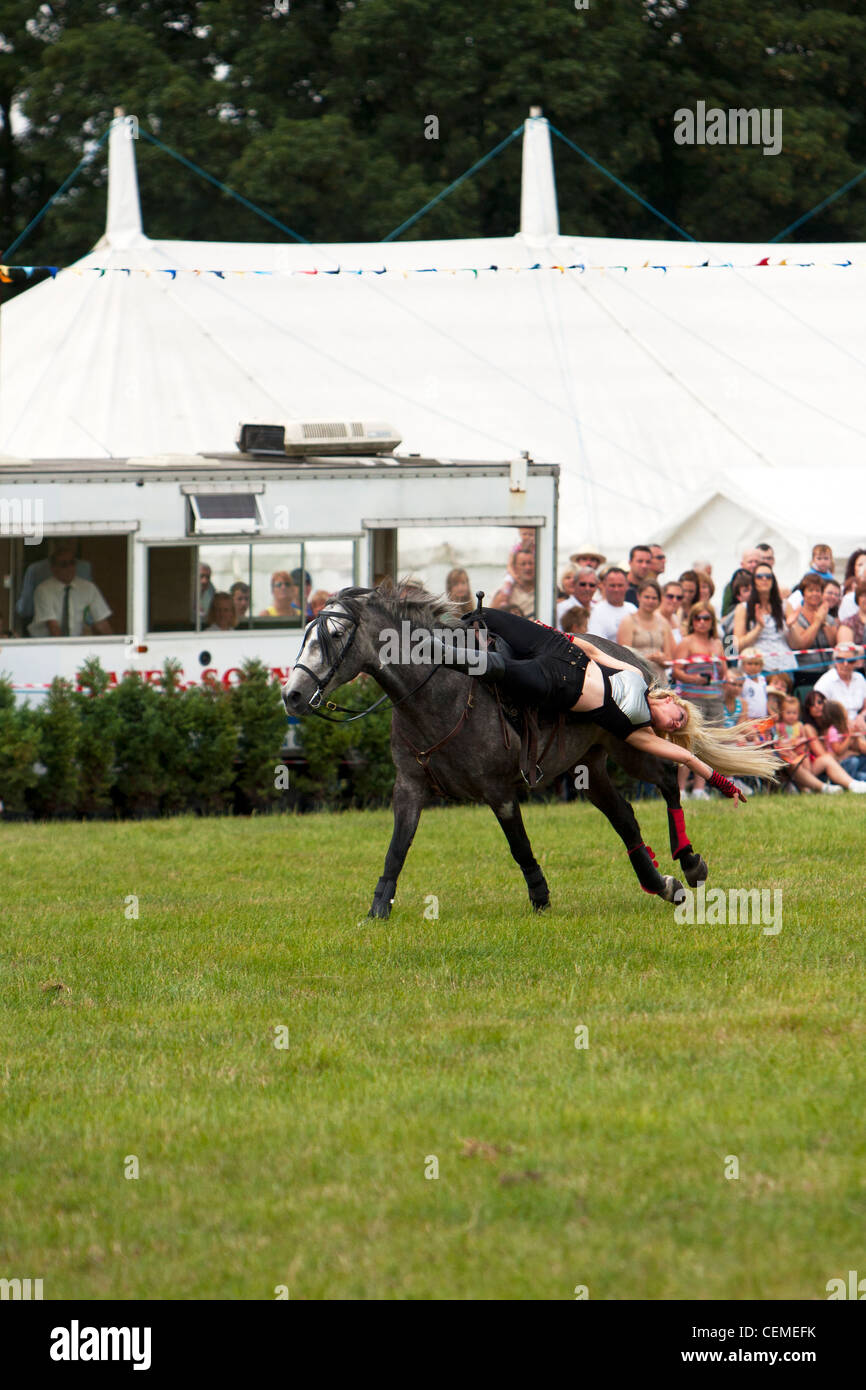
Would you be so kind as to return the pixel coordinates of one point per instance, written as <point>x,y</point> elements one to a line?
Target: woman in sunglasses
<point>700,673</point>
<point>760,621</point>
<point>284,593</point>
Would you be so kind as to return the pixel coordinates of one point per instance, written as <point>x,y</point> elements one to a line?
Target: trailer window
<point>99,561</point>
<point>472,558</point>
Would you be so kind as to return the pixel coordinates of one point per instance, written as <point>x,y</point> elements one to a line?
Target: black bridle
<point>326,643</point>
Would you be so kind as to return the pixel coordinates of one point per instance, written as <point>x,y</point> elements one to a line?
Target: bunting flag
<point>9,273</point>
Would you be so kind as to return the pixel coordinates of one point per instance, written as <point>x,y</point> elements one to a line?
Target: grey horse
<point>449,737</point>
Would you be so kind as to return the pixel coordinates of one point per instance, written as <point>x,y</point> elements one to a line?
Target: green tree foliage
<point>260,720</point>
<point>349,764</point>
<point>319,114</point>
<point>56,792</point>
<point>98,729</point>
<point>19,750</point>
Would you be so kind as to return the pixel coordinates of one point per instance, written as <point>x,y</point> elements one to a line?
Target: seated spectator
<point>827,721</point>
<point>732,702</point>
<point>240,593</point>
<point>760,621</point>
<point>35,574</point>
<point>64,604</point>
<point>609,612</point>
<point>575,620</point>
<point>848,606</point>
<point>811,626</point>
<point>800,746</point>
<point>318,600</point>
<point>587,555</point>
<point>822,565</point>
<point>459,590</point>
<point>646,633</point>
<point>308,589</point>
<point>748,563</point>
<point>639,561</point>
<point>221,614</point>
<point>754,683</point>
<point>519,593</point>
<point>672,602</point>
<point>853,629</point>
<point>206,590</point>
<point>285,598</point>
<point>699,671</point>
<point>847,686</point>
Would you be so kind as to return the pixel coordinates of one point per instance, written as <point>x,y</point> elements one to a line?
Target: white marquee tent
<point>661,376</point>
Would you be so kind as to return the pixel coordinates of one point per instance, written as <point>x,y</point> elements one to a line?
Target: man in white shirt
<point>606,616</point>
<point>64,603</point>
<point>845,685</point>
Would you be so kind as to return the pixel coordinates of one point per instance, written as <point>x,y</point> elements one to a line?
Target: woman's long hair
<point>717,745</point>
<point>850,567</point>
<point>775,601</point>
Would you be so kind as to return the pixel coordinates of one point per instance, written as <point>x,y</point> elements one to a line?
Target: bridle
<point>315,700</point>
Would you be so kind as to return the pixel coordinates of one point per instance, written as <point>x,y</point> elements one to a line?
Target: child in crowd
<point>754,683</point>
<point>793,746</point>
<point>732,704</point>
<point>575,619</point>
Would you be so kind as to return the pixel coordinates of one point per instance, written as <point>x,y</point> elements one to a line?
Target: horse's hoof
<point>673,891</point>
<point>541,905</point>
<point>382,910</point>
<point>696,873</point>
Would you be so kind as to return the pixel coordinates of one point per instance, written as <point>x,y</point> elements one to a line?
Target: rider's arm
<point>648,742</point>
<point>603,659</point>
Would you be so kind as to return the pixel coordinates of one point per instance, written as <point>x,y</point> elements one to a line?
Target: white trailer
<point>143,528</point>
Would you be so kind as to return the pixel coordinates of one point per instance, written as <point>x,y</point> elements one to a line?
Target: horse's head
<point>330,655</point>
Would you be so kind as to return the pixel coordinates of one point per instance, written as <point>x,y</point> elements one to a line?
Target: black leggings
<point>546,669</point>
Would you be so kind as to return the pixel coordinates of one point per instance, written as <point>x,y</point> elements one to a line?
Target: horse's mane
<point>406,600</point>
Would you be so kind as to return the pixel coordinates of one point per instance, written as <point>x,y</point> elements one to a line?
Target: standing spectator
<point>657,562</point>
<point>822,565</point>
<point>521,593</point>
<point>854,627</point>
<point>607,615</point>
<point>846,685</point>
<point>741,584</point>
<point>748,563</point>
<point>64,604</point>
<point>565,595</point>
<point>308,589</point>
<point>672,602</point>
<point>639,561</point>
<point>700,670</point>
<point>812,625</point>
<point>206,590</point>
<point>754,683</point>
<point>646,633</point>
<point>706,589</point>
<point>849,603</point>
<point>459,590</point>
<point>586,555</point>
<point>760,622</point>
<point>586,589</point>
<point>690,583</point>
<point>833,596</point>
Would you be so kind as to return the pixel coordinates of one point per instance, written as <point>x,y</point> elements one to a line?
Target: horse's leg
<point>605,797</point>
<point>407,801</point>
<point>663,774</point>
<point>511,820</point>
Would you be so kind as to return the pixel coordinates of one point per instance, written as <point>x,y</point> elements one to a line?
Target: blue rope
<point>833,196</point>
<point>224,188</point>
<point>62,189</point>
<point>624,186</point>
<point>410,221</point>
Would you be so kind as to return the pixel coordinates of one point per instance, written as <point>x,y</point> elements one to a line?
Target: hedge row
<point>135,750</point>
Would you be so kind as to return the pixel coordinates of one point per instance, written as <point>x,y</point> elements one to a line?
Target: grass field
<point>451,1037</point>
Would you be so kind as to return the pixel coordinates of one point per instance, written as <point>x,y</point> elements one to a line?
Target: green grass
<point>305,1166</point>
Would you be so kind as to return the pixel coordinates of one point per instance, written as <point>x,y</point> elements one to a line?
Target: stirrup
<point>539,775</point>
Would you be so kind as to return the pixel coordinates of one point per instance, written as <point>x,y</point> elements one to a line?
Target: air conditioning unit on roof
<point>320,438</point>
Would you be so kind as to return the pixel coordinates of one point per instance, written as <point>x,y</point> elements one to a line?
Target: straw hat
<point>589,550</point>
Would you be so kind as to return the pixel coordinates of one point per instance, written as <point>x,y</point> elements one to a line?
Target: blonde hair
<point>717,745</point>
<point>751,654</point>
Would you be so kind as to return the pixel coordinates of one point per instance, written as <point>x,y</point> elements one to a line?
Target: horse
<point>449,737</point>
